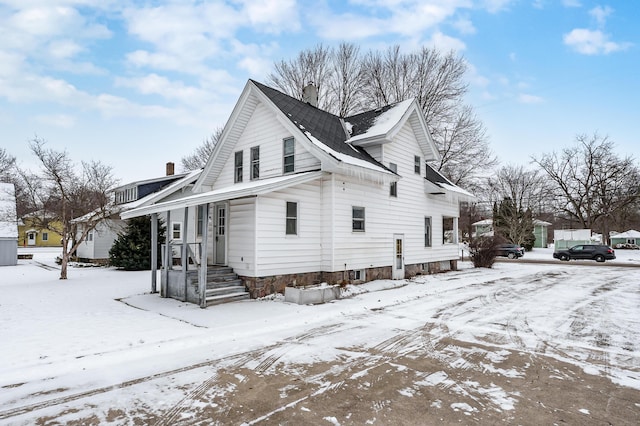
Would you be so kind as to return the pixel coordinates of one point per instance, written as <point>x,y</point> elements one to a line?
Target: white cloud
<point>446,43</point>
<point>529,99</point>
<point>154,84</point>
<point>571,3</point>
<point>601,14</point>
<point>464,26</point>
<point>272,16</point>
<point>64,48</point>
<point>494,6</point>
<point>592,42</point>
<point>58,120</point>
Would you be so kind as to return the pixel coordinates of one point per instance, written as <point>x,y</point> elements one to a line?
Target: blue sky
<point>136,84</point>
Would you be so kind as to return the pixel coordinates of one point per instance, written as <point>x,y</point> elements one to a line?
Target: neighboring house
<point>630,237</point>
<point>31,235</point>
<point>567,238</point>
<point>485,228</point>
<point>8,225</point>
<point>96,246</point>
<point>299,196</point>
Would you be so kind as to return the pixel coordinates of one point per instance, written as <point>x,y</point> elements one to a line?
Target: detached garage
<point>8,225</point>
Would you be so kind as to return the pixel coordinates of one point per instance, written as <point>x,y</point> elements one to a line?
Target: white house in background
<point>626,239</point>
<point>484,228</point>
<point>8,225</point>
<point>96,246</point>
<point>299,196</point>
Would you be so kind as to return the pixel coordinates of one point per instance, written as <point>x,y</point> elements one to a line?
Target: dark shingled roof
<point>322,125</point>
<point>363,121</point>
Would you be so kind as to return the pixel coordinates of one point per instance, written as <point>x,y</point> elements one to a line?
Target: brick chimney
<point>170,168</point>
<point>310,94</point>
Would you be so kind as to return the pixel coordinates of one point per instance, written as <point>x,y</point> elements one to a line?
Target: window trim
<point>291,219</point>
<point>417,164</point>
<point>355,219</point>
<point>237,166</point>
<point>286,156</point>
<point>255,162</point>
<point>45,236</point>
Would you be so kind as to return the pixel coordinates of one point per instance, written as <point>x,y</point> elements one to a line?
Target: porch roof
<point>240,190</point>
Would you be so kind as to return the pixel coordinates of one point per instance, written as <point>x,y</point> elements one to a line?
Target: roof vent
<point>310,94</point>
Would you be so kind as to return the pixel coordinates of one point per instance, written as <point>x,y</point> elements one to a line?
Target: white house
<point>8,225</point>
<point>294,196</point>
<point>132,195</point>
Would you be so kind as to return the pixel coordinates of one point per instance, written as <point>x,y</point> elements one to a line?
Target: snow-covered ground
<point>101,328</point>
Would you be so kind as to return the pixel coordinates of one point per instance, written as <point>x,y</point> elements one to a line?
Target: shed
<point>8,225</point>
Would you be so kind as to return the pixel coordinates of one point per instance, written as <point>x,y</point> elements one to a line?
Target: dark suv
<point>512,251</point>
<point>597,252</point>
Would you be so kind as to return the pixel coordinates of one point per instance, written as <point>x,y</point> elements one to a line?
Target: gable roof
<point>437,184</point>
<point>325,135</point>
<point>632,233</point>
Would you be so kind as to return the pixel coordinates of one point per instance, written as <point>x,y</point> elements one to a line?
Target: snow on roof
<point>383,123</point>
<point>483,222</point>
<point>167,190</point>
<point>8,219</point>
<point>632,233</point>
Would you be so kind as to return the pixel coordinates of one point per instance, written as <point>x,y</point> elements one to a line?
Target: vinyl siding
<point>265,131</point>
<point>241,236</point>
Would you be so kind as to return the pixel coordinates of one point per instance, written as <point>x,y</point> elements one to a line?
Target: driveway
<point>521,344</point>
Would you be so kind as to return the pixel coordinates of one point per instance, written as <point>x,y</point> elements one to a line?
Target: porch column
<point>202,279</point>
<point>167,257</point>
<point>154,251</point>
<point>185,265</point>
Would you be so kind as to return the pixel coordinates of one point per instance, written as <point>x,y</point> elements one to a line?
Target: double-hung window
<point>238,167</point>
<point>357,219</point>
<point>417,162</point>
<point>427,232</point>
<point>200,220</point>
<point>292,218</point>
<point>255,162</point>
<point>288,155</point>
<point>176,231</point>
<point>393,188</point>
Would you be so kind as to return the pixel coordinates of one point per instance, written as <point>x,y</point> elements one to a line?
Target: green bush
<point>132,249</point>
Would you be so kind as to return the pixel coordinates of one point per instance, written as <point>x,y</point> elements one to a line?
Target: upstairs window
<point>292,218</point>
<point>238,167</point>
<point>255,162</point>
<point>393,187</point>
<point>288,155</point>
<point>176,231</point>
<point>357,217</point>
<point>417,165</point>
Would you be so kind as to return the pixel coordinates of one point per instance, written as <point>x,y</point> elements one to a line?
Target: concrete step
<point>226,298</point>
<point>231,283</point>
<point>224,290</point>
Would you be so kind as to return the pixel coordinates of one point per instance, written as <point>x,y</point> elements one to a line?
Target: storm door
<point>221,234</point>
<point>398,256</point>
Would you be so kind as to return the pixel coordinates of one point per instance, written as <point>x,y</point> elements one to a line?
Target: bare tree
<point>349,82</point>
<point>465,155</point>
<point>59,193</point>
<point>7,166</point>
<point>591,182</point>
<point>528,189</point>
<point>198,159</point>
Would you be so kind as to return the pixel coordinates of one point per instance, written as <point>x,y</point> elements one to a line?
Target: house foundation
<point>263,286</point>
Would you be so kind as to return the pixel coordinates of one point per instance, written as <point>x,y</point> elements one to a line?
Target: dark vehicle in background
<point>597,252</point>
<point>512,251</point>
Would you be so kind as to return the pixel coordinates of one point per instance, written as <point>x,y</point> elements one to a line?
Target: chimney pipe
<point>170,168</point>
<point>310,94</point>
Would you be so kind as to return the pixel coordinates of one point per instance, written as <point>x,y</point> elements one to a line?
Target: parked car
<point>597,252</point>
<point>512,251</point>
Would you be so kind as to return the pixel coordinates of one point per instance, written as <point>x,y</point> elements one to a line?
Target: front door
<point>31,238</point>
<point>220,234</point>
<point>398,257</point>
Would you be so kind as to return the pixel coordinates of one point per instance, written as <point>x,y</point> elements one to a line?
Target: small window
<point>393,187</point>
<point>417,161</point>
<point>238,167</point>
<point>200,220</point>
<point>359,275</point>
<point>45,236</point>
<point>357,215</point>
<point>89,236</point>
<point>255,162</point>
<point>288,156</point>
<point>292,218</point>
<point>427,232</point>
<point>176,231</point>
